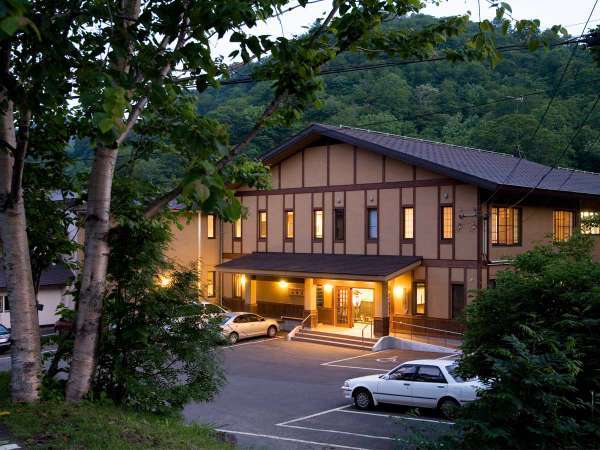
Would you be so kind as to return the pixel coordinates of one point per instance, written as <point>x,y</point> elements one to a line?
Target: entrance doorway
<point>343,311</point>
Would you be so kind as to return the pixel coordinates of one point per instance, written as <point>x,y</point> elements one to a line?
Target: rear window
<point>3,330</point>
<point>452,370</point>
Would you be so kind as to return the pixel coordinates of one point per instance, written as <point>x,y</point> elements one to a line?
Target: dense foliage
<point>468,103</point>
<point>534,338</point>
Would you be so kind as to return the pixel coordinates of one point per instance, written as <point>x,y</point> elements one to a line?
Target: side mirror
<point>385,376</point>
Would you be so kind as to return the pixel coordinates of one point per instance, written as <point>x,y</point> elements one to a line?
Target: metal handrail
<point>428,328</point>
<point>304,320</point>
<point>446,332</point>
<point>362,331</point>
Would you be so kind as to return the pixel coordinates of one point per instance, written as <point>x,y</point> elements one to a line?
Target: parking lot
<point>286,395</point>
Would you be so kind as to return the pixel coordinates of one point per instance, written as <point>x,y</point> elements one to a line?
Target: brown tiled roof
<point>57,275</point>
<point>343,266</point>
<point>470,165</point>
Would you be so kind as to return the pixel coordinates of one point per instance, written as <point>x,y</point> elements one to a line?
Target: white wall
<point>49,297</point>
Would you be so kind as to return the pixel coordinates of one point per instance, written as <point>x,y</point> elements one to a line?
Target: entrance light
<point>328,288</point>
<point>283,284</point>
<point>243,280</point>
<point>164,280</point>
<point>398,291</point>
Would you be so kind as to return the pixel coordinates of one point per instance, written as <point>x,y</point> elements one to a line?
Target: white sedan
<point>241,325</point>
<point>425,383</point>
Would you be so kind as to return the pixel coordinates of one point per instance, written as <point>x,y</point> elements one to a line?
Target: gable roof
<point>483,168</point>
<point>57,275</point>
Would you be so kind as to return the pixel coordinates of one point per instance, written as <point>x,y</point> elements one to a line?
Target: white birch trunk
<point>93,280</point>
<point>25,331</point>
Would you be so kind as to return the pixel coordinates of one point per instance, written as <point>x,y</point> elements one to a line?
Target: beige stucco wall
<point>50,298</point>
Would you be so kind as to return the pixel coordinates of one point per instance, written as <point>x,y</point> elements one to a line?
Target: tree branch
<point>19,157</point>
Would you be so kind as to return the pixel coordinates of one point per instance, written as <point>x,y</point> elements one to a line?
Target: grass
<point>55,424</point>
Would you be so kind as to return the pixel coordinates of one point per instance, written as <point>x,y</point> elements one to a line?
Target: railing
<point>362,331</point>
<point>304,320</point>
<point>429,334</point>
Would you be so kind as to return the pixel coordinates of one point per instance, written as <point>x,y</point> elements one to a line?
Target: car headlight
<point>346,384</point>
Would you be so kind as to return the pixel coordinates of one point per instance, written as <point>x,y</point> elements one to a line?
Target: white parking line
<point>348,433</point>
<point>356,367</point>
<point>260,341</point>
<point>301,441</point>
<point>416,419</point>
<point>346,359</point>
<point>327,411</point>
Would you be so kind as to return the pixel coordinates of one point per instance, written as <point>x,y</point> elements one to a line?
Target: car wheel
<point>233,338</point>
<point>448,408</point>
<point>272,331</point>
<point>363,399</point>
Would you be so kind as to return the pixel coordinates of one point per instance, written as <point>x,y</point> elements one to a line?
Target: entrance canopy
<point>345,267</point>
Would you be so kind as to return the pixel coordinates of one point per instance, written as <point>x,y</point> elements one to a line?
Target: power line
<point>561,155</point>
<point>541,121</point>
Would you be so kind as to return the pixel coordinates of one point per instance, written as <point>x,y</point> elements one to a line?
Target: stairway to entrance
<point>333,339</point>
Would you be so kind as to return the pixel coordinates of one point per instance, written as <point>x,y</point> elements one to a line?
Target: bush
<point>535,338</point>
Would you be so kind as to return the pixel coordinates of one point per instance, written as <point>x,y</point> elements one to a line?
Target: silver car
<point>242,325</point>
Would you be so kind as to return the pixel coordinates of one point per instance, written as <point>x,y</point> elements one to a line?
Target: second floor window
<point>506,226</point>
<point>372,231</point>
<point>408,223</point>
<point>447,225</point>
<point>562,225</point>
<point>318,224</point>
<point>237,229</point>
<point>210,226</point>
<point>289,224</point>
<point>339,224</point>
<point>590,222</point>
<point>262,224</point>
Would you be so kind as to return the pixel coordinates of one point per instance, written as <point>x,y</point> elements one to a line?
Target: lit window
<point>408,223</point>
<point>563,225</point>
<point>4,305</point>
<point>318,224</point>
<point>590,222</point>
<point>237,229</point>
<point>262,224</point>
<point>420,298</point>
<point>237,285</point>
<point>447,222</point>
<point>506,226</point>
<point>340,225</point>
<point>210,226</point>
<point>210,283</point>
<point>372,232</point>
<point>289,224</point>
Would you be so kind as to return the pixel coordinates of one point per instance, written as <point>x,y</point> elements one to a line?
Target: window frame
<point>336,238</point>
<point>285,224</point>
<point>316,238</point>
<point>404,222</point>
<point>211,230</point>
<point>237,283</point>
<point>416,284</point>
<point>591,231</point>
<point>442,224</point>
<point>519,223</point>
<point>562,227</point>
<point>443,379</point>
<point>464,299</point>
<point>235,235</point>
<point>368,237</point>
<point>211,284</point>
<point>259,216</point>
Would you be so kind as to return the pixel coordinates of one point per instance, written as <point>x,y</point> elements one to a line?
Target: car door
<point>396,387</point>
<point>429,386</point>
<point>256,325</point>
<point>242,326</point>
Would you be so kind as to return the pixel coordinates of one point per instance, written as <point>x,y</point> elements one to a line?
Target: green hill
<point>465,103</point>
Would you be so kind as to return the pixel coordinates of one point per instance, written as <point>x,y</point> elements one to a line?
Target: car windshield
<point>225,318</point>
<point>452,370</point>
<point>3,330</point>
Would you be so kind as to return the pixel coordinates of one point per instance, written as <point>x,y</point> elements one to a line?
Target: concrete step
<point>323,334</point>
<point>336,343</point>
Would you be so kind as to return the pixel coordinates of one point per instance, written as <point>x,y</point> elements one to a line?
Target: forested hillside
<point>465,103</point>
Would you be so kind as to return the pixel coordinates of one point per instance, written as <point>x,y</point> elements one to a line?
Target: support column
<point>250,295</point>
<point>310,302</point>
<point>381,319</point>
